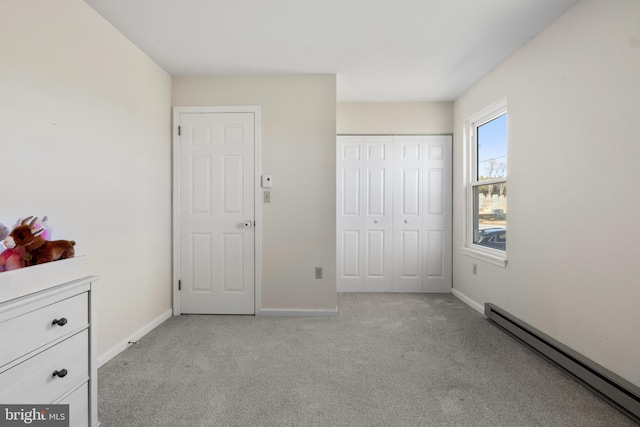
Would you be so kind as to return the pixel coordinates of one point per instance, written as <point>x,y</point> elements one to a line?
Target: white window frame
<point>493,256</point>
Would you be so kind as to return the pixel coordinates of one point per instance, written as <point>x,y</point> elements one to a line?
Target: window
<point>486,208</point>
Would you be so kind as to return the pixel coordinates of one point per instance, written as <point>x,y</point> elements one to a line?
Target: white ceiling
<point>380,50</point>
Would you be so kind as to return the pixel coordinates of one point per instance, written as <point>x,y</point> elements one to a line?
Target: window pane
<point>490,215</point>
<point>492,149</point>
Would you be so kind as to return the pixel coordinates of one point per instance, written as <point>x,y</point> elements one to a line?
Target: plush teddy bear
<point>10,259</point>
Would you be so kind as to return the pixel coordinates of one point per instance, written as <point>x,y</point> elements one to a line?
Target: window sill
<point>500,261</point>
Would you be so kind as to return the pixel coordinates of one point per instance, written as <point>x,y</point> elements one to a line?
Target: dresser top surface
<point>25,281</point>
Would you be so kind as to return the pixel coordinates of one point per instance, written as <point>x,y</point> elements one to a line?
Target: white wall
<point>394,118</point>
<point>85,138</point>
<point>298,150</point>
<point>573,98</point>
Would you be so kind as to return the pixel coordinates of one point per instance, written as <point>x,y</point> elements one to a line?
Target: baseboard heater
<point>616,390</point>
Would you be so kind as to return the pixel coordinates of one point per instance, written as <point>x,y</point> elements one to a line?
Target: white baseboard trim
<point>297,312</point>
<point>123,345</point>
<point>471,303</point>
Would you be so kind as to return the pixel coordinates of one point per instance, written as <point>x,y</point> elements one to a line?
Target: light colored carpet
<point>386,360</point>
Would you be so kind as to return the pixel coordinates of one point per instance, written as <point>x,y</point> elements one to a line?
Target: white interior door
<point>394,213</point>
<point>216,212</point>
<point>437,213</point>
<point>364,214</point>
<point>408,188</point>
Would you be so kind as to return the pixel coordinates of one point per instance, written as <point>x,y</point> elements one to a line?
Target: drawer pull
<point>59,322</point>
<point>61,373</point>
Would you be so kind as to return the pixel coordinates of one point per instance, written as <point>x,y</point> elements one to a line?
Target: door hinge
<point>179,131</point>
<point>179,285</point>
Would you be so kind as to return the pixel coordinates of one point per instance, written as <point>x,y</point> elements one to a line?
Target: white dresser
<point>47,330</point>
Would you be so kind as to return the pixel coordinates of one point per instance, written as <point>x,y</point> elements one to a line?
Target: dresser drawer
<point>78,407</point>
<point>34,377</point>
<point>71,313</point>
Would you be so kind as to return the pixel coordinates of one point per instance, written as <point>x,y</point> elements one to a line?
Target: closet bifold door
<point>364,253</point>
<point>422,213</point>
<point>437,214</point>
<point>394,213</point>
<point>408,187</point>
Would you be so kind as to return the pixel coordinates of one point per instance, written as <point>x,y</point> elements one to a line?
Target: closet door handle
<point>60,322</point>
<point>61,373</point>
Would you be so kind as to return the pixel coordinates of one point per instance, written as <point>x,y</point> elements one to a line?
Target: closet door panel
<point>407,213</point>
<point>350,208</point>
<point>364,214</point>
<point>378,227</point>
<point>437,213</point>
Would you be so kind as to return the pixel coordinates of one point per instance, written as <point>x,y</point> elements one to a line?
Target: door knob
<point>248,224</point>
<point>375,221</point>
<point>406,221</point>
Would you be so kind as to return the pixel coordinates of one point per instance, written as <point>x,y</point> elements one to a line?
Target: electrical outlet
<point>267,197</point>
<point>475,269</point>
<point>318,272</point>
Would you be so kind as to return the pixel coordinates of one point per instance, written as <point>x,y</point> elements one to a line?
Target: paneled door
<point>364,214</point>
<point>422,213</point>
<point>216,213</point>
<point>408,195</point>
<point>437,216</point>
<point>394,213</point>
